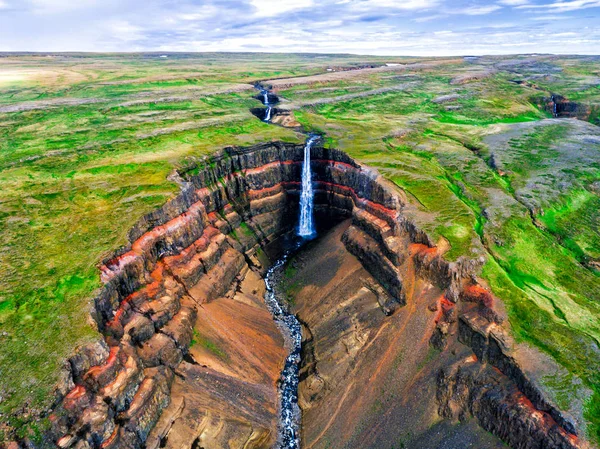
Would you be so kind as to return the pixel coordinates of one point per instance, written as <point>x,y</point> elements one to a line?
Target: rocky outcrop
<point>473,388</point>
<point>188,253</point>
<point>233,206</point>
<point>559,106</point>
<point>493,346</point>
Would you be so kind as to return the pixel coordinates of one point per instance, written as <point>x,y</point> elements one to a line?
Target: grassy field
<point>87,143</point>
<point>494,175</point>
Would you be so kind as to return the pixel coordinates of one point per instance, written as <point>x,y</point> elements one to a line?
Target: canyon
<point>449,297</point>
<point>398,344</point>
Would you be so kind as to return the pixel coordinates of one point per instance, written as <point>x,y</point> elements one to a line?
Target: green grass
<point>482,196</point>
<point>208,345</point>
<point>569,220</point>
<point>76,177</point>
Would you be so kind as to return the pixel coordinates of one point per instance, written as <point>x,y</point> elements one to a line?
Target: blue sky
<point>384,27</point>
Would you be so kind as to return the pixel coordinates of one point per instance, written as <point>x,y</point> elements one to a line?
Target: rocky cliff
<point>234,209</point>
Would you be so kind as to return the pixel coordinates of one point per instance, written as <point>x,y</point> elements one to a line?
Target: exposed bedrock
<point>392,377</point>
<point>279,116</point>
<point>190,356</point>
<point>559,106</point>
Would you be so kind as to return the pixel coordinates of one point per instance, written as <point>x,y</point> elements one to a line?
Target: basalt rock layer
<point>233,208</point>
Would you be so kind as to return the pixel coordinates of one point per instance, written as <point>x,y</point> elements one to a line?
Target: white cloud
<point>514,2</point>
<point>203,13</point>
<point>479,10</point>
<point>400,27</point>
<point>62,6</point>
<point>429,18</point>
<point>551,17</point>
<point>408,5</point>
<point>565,6</point>
<point>125,31</point>
<point>269,8</point>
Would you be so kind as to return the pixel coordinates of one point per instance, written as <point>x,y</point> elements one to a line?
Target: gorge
<point>381,334</point>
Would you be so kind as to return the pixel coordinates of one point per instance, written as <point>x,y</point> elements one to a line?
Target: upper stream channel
<point>289,411</point>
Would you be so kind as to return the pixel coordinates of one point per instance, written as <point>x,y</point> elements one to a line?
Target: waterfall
<point>307,227</point>
<point>289,413</point>
<point>268,105</point>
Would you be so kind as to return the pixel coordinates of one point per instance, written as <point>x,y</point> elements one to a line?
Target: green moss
<point>75,178</point>
<point>209,345</point>
<point>569,222</point>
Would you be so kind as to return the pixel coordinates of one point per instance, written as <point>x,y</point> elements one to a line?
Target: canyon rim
<point>300,251</point>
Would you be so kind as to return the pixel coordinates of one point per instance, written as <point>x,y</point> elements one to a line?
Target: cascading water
<point>554,107</point>
<point>306,228</point>
<point>289,419</point>
<point>268,105</point>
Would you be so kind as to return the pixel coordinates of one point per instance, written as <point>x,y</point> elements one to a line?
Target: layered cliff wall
<point>232,207</point>
<point>186,254</point>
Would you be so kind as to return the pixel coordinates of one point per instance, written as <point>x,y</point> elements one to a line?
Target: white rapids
<point>289,420</point>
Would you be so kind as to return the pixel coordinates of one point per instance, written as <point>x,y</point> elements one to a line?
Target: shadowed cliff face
<point>190,356</point>
<point>415,377</point>
<point>559,106</point>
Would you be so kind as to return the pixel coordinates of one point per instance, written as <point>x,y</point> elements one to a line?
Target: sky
<point>378,27</point>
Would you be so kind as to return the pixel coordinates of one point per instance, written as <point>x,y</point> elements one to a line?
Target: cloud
<point>565,6</point>
<point>479,10</point>
<point>276,7</point>
<point>408,5</point>
<point>552,17</point>
<point>125,31</point>
<point>514,2</point>
<point>392,27</point>
<point>429,18</point>
<point>60,6</point>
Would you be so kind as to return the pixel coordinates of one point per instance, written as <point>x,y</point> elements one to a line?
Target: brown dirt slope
<point>225,394</point>
<point>369,380</point>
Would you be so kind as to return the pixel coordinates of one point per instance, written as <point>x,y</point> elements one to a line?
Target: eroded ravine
<point>288,428</point>
<point>190,356</point>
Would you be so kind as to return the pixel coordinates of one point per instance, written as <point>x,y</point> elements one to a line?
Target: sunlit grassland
<point>441,157</point>
<point>481,169</point>
<point>74,179</point>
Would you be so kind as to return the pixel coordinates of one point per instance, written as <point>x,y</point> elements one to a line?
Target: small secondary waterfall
<point>268,105</point>
<point>306,228</point>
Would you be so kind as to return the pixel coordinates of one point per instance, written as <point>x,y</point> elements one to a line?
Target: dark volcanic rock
<point>478,389</point>
<point>191,251</point>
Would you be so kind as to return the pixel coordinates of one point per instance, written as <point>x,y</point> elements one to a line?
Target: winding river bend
<point>289,412</point>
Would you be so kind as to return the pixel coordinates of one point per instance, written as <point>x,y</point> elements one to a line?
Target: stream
<point>288,429</point>
<point>289,411</point>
